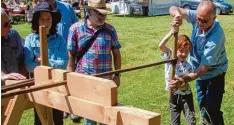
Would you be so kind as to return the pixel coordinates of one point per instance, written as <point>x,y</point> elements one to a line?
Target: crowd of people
<point>90,46</point>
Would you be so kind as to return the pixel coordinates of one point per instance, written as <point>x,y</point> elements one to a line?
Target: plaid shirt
<point>98,58</point>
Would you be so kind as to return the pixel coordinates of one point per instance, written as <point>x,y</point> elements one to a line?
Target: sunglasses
<point>7,24</point>
<point>203,21</point>
<point>99,13</point>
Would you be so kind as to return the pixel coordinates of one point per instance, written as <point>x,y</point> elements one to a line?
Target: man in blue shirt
<point>68,16</point>
<point>12,66</point>
<point>207,57</point>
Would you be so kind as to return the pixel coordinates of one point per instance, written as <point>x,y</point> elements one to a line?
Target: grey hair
<point>204,2</point>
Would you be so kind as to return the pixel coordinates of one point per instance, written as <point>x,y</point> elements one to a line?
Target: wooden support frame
<point>102,107</point>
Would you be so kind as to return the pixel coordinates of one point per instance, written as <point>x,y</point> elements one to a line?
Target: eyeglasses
<point>99,13</point>
<point>7,24</point>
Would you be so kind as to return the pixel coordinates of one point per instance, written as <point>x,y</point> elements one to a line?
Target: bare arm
<point>71,61</point>
<point>162,44</point>
<point>117,64</point>
<point>117,59</point>
<point>189,77</point>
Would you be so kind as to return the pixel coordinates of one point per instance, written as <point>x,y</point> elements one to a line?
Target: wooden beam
<point>59,75</point>
<point>134,116</point>
<point>16,109</point>
<point>41,74</point>
<point>104,114</point>
<point>43,46</point>
<point>99,90</point>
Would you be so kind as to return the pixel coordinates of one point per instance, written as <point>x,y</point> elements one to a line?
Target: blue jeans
<point>90,122</point>
<point>209,95</point>
<point>57,117</point>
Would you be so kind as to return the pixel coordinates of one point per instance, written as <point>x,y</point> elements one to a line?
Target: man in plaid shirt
<point>98,58</point>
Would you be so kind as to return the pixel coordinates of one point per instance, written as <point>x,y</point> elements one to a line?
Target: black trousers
<point>57,117</point>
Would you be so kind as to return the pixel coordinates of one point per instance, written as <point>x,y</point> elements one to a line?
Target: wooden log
<point>104,114</point>
<point>91,88</point>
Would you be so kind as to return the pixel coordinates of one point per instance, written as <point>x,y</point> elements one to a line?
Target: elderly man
<point>208,58</point>
<point>12,66</point>
<point>93,42</point>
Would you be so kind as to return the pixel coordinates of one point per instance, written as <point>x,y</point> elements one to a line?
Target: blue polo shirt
<point>68,18</point>
<point>208,48</point>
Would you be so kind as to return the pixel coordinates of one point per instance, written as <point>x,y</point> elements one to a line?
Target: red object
<point>3,6</point>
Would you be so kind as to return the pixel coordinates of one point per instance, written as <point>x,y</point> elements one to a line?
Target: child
<point>182,99</point>
<point>28,12</point>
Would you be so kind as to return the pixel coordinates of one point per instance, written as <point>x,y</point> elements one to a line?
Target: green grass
<point>144,88</point>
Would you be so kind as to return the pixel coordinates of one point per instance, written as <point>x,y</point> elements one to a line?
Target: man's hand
<point>177,20</point>
<point>13,76</point>
<point>116,79</point>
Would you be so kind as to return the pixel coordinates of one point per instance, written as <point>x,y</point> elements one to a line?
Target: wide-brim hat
<point>46,7</point>
<point>99,5</point>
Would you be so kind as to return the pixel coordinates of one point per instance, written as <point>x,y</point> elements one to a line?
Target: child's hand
<point>174,29</point>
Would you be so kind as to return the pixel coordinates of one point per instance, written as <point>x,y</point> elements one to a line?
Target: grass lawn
<point>144,88</point>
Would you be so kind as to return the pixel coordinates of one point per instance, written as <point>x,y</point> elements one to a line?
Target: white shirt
<point>181,69</point>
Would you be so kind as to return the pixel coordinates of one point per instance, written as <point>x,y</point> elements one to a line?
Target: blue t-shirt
<point>208,48</point>
<point>57,52</point>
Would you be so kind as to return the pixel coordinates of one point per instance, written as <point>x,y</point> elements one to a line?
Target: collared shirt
<point>208,48</point>
<point>180,70</point>
<point>68,18</point>
<point>98,58</point>
<point>11,52</point>
<point>57,52</point>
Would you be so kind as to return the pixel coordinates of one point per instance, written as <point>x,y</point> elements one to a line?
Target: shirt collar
<point>51,37</point>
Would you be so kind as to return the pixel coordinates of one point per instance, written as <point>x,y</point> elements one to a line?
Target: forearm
<point>175,11</point>
<point>162,44</point>
<point>117,59</point>
<point>71,61</point>
<point>192,76</point>
<point>71,65</point>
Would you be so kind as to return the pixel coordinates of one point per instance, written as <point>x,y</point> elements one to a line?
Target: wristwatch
<point>117,74</point>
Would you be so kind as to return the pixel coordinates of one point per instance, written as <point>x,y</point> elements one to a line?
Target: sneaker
<point>75,118</point>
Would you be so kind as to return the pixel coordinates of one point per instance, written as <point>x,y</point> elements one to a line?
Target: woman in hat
<point>57,53</point>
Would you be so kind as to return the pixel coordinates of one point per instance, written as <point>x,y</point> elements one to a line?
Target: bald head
<point>207,7</point>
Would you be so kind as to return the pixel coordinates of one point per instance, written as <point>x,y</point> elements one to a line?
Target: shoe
<point>75,118</point>
<point>65,115</point>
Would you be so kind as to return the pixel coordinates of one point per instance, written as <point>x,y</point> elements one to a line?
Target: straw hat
<point>99,5</point>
